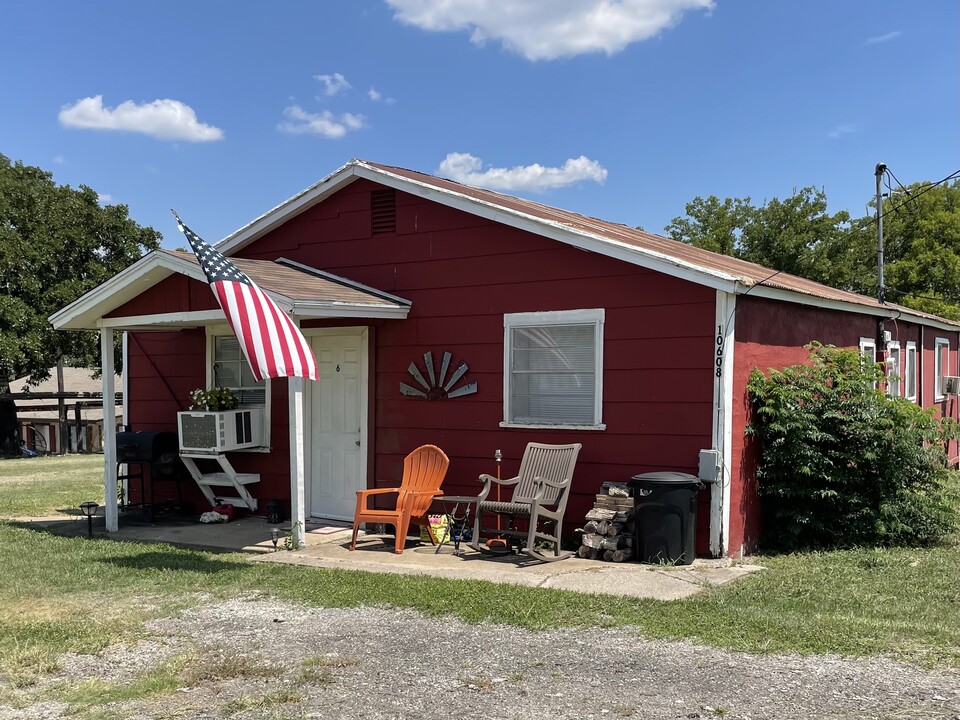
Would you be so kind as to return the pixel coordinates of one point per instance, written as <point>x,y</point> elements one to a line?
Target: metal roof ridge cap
<point>552,223</point>
<point>340,280</point>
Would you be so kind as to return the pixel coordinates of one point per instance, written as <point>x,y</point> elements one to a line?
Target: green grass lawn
<point>61,594</point>
<point>48,485</point>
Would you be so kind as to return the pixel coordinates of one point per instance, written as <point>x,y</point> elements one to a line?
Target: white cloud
<point>325,124</point>
<point>549,29</point>
<point>467,169</point>
<point>377,96</point>
<point>840,130</point>
<point>163,119</point>
<point>105,198</point>
<point>882,38</point>
<point>333,84</point>
<point>59,159</point>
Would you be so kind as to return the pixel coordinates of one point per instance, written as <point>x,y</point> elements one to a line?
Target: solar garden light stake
<point>275,533</point>
<point>498,541</point>
<point>88,509</point>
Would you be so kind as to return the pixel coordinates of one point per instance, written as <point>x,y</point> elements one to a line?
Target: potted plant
<point>213,399</point>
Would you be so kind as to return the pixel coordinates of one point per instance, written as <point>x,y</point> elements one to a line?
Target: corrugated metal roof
<point>747,273</point>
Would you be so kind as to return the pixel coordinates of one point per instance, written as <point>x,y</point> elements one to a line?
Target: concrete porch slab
<point>327,546</point>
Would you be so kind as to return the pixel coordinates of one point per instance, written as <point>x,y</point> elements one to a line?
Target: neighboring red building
<point>571,328</point>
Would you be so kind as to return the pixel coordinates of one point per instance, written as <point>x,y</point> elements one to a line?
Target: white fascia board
<point>888,313</point>
<point>288,208</point>
<point>556,231</point>
<point>553,230</point>
<point>85,312</point>
<point>584,240</point>
<point>163,321</point>
<point>307,311</point>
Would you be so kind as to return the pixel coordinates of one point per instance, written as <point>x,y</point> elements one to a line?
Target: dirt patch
<point>256,658</point>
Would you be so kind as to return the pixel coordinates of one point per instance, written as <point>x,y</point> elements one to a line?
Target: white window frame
<point>593,317</point>
<point>894,369</point>
<point>910,372</point>
<point>213,332</point>
<point>869,344</point>
<point>940,372</point>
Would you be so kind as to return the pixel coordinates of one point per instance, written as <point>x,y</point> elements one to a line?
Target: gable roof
<point>637,247</point>
<point>300,290</point>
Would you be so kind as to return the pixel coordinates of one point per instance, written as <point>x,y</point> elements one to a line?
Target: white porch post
<point>109,430</point>
<point>297,494</point>
<point>724,324</point>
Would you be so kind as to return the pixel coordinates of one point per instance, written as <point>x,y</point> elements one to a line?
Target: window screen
<point>231,370</point>
<point>553,373</point>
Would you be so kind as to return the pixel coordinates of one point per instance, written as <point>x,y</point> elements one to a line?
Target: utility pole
<point>881,290</point>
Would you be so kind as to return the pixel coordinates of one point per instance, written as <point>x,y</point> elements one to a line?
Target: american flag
<point>272,344</point>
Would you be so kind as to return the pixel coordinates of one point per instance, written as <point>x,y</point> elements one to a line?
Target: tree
<point>799,236</point>
<point>796,235</point>
<point>842,464</point>
<point>713,225</point>
<point>56,243</point>
<point>921,229</point>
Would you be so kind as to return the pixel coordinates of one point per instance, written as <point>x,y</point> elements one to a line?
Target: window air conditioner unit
<point>951,385</point>
<point>221,431</point>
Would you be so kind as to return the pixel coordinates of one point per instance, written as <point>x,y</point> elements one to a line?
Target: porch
<point>327,547</point>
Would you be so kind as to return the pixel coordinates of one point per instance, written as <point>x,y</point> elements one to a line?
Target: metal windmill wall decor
<point>437,386</point>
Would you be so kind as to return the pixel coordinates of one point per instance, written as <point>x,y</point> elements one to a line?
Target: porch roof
<point>302,291</point>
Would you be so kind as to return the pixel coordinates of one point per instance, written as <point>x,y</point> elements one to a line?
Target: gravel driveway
<point>382,663</point>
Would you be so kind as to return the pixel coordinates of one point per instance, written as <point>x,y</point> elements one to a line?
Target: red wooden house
<point>570,329</point>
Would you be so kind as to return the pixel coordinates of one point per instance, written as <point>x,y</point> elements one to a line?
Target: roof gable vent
<point>383,211</point>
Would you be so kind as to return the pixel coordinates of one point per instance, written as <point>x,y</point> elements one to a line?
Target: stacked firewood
<point>608,530</point>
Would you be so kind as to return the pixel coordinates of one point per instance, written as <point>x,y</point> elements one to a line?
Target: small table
<point>456,508</point>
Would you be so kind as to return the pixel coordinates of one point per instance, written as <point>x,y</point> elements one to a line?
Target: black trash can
<point>665,510</point>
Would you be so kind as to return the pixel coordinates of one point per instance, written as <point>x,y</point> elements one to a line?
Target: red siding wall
<point>462,273</point>
<point>771,334</point>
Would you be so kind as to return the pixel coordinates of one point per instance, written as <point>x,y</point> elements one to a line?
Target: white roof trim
<point>163,321</point>
<point>160,322</point>
<point>88,311</point>
<point>85,312</point>
<point>585,240</point>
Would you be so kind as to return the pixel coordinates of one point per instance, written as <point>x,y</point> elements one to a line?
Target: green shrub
<point>844,465</point>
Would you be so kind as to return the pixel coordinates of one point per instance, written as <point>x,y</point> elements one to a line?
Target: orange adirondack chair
<point>423,471</point>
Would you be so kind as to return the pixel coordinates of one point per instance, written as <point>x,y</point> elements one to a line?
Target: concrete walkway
<point>327,546</point>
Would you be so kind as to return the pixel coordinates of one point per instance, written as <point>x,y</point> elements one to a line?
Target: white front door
<point>338,424</point>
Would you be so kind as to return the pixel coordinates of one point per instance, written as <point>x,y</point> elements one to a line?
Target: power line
<point>926,189</point>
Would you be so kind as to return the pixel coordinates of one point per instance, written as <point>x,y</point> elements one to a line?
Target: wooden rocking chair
<point>540,492</point>
<point>423,471</point>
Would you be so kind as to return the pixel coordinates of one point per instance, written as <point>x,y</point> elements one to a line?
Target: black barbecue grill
<point>155,450</point>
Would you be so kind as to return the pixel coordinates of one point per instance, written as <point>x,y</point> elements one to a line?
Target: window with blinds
<point>231,370</point>
<point>910,373</point>
<point>553,368</point>
<point>941,364</point>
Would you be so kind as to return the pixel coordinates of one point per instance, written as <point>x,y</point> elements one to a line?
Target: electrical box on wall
<point>709,466</point>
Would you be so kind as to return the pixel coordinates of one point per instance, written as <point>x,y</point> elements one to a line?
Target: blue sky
<point>620,109</point>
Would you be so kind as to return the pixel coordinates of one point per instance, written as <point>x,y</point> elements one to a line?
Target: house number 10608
<point>719,350</point>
